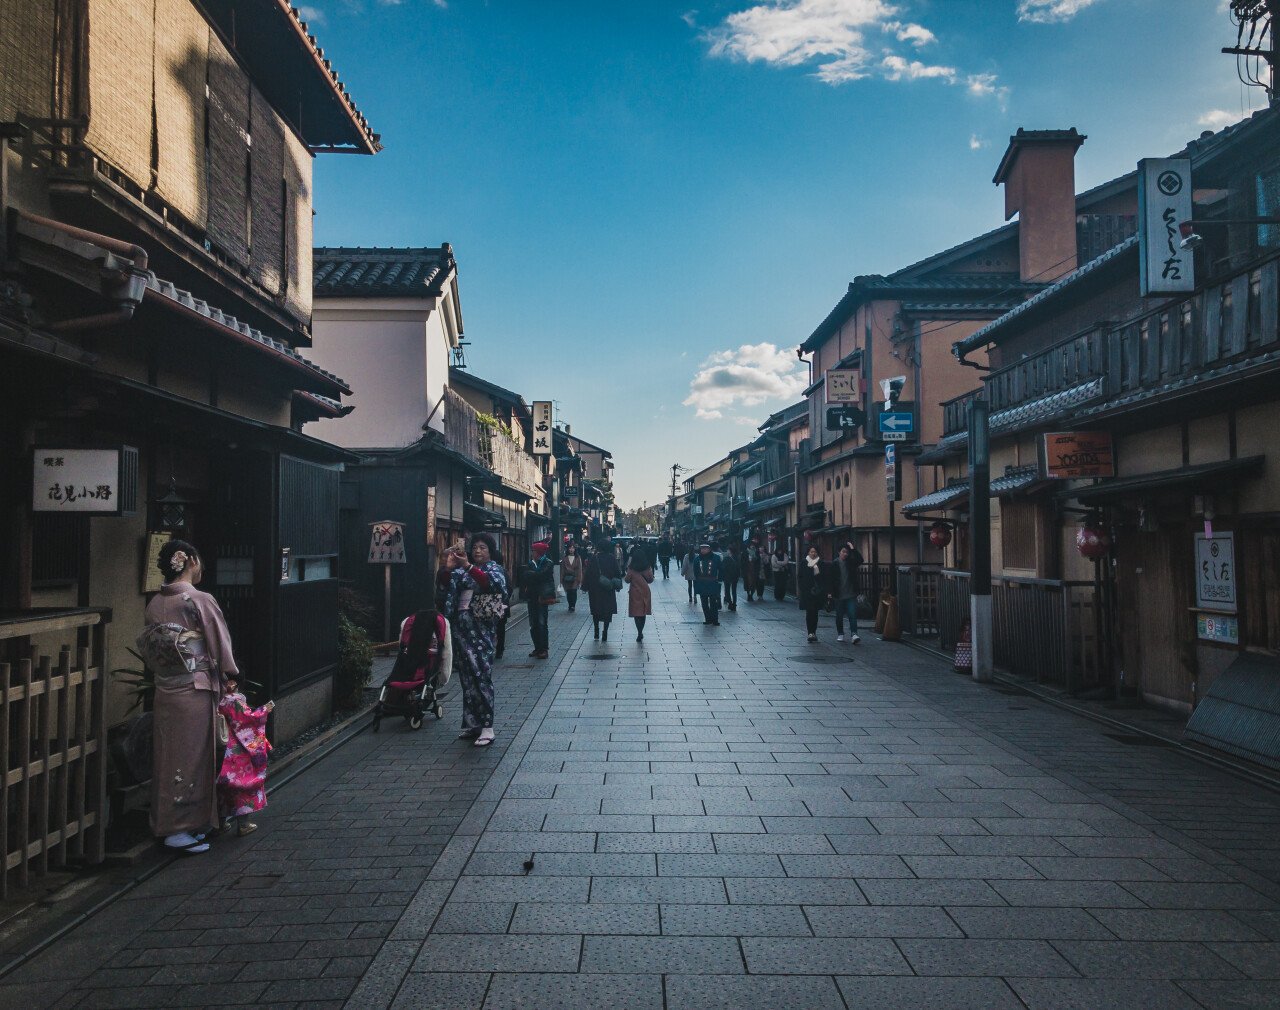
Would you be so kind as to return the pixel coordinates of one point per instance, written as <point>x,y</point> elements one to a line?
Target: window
<point>1018,520</point>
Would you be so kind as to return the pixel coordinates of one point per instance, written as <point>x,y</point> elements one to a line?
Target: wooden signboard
<point>1077,454</point>
<point>152,577</point>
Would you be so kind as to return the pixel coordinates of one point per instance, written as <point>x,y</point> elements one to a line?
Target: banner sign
<point>99,482</point>
<point>1164,202</point>
<point>844,385</point>
<point>1077,454</point>
<point>386,544</point>
<point>1216,572</point>
<point>542,422</point>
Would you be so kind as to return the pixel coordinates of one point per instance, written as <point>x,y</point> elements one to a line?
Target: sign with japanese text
<point>81,481</point>
<point>542,422</point>
<point>152,577</point>
<point>1217,628</point>
<point>1216,572</point>
<point>1164,202</point>
<point>1077,454</point>
<point>386,544</point>
<point>844,385</point>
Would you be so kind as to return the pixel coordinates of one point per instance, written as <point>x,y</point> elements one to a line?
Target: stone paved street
<point>717,817</point>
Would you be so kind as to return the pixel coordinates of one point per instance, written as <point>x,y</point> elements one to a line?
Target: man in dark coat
<point>706,583</point>
<point>664,555</point>
<point>730,572</point>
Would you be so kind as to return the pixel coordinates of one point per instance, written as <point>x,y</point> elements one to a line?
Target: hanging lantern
<point>172,510</point>
<point>940,534</point>
<point>1092,541</point>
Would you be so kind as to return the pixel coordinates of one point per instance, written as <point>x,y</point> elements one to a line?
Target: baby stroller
<point>410,689</point>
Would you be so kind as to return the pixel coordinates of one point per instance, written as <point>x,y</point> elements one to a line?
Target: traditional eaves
<point>341,272</point>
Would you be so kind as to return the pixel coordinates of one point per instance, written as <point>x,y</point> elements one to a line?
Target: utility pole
<point>980,540</point>
<point>1255,43</point>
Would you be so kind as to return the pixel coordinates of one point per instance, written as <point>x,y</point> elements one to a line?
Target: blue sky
<point>644,196</point>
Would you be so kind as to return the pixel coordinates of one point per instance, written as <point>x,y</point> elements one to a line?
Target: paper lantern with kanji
<point>1092,542</point>
<point>940,534</point>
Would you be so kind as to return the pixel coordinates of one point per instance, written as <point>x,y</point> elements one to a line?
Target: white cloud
<point>1218,119</point>
<point>1050,11</point>
<point>843,40</point>
<point>690,18</point>
<point>311,15</point>
<point>745,377</point>
<point>976,143</point>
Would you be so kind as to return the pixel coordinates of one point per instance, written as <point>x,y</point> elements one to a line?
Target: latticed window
<point>1018,520</point>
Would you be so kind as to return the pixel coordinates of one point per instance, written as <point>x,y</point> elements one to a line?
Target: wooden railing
<point>1223,324</point>
<point>919,599</point>
<point>52,741</point>
<point>786,484</point>
<point>487,447</point>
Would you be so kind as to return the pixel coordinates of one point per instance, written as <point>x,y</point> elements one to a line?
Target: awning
<point>477,517</point>
<point>831,531</point>
<point>770,524</point>
<point>1202,477</point>
<point>1016,481</point>
<point>941,499</point>
<point>777,501</point>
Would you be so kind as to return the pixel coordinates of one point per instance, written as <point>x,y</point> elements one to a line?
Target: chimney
<point>1039,179</point>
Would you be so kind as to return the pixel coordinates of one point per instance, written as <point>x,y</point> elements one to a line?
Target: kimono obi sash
<point>177,656</point>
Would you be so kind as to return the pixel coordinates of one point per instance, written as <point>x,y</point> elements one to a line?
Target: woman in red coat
<point>640,596</point>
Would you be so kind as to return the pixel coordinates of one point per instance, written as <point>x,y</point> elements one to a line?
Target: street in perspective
<point>833,562</point>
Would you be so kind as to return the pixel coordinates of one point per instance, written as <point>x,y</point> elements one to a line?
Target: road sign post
<point>894,422</point>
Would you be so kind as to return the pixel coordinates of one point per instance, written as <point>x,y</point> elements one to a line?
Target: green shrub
<point>355,663</point>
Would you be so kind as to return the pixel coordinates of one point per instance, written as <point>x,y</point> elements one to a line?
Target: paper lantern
<point>1092,542</point>
<point>939,534</point>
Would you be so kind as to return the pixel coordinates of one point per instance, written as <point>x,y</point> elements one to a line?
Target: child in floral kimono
<point>242,783</point>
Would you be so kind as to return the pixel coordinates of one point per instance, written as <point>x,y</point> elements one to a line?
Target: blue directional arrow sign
<point>896,425</point>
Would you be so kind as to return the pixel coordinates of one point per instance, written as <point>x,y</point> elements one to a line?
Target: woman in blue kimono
<point>475,636</point>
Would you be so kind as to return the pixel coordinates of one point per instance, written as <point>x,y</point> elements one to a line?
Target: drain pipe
<point>128,283</point>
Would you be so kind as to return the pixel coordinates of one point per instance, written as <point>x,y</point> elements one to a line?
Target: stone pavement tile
<point>643,890</point>
<point>140,997</point>
<point>930,892</point>
<point>1094,868</point>
<point>521,889</point>
<point>971,867</point>
<point>665,808</point>
<point>927,826</point>
<point>268,971</point>
<point>701,992</point>
<point>1136,847</point>
<point>536,841</point>
<point>598,822</point>
<point>823,956</point>
<point>588,992</point>
<point>1181,895</point>
<point>565,864</point>
<point>1100,994</point>
<point>844,866</point>
<point>1265,922</point>
<point>1005,845</point>
<point>1256,960</point>
<point>1057,827</point>
<point>703,955</point>
<point>1188,868</point>
<point>1004,958</point>
<point>793,891</point>
<point>1029,923</point>
<point>492,952</point>
<point>775,843</point>
<point>1066,893</point>
<point>709,822</point>
<point>913,993</point>
<point>476,917</point>
<point>734,920</point>
<point>119,978</point>
<point>1230,995</point>
<point>182,974</point>
<point>1174,924</point>
<point>817,825</point>
<point>430,990</point>
<point>297,990</point>
<point>719,865</point>
<point>656,842</point>
<point>900,845</point>
<point>1144,959</point>
<point>604,918</point>
<point>881,920</point>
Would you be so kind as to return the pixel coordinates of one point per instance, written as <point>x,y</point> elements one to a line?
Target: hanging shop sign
<point>892,473</point>
<point>542,422</point>
<point>386,544</point>
<point>94,482</point>
<point>1164,202</point>
<point>1216,572</point>
<point>844,385</point>
<point>1077,454</point>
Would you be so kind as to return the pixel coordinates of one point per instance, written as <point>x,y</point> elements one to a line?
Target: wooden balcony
<point>489,447</point>
<point>784,485</point>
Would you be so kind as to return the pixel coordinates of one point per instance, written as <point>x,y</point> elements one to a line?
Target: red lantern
<point>939,534</point>
<point>1092,542</point>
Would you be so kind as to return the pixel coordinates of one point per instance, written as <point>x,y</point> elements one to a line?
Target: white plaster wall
<point>437,368</point>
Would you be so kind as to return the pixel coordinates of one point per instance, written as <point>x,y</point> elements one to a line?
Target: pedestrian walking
<point>751,569</point>
<point>846,592</point>
<point>242,781</point>
<point>686,570</point>
<point>664,556</point>
<point>730,572</point>
<point>780,571</point>
<point>706,576</point>
<point>639,596</point>
<point>474,605</point>
<point>538,587</point>
<point>188,648</point>
<point>814,589</point>
<point>603,580</point>
<point>571,575</point>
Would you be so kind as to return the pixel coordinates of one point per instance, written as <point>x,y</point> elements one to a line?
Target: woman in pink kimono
<point>187,647</point>
<point>242,783</point>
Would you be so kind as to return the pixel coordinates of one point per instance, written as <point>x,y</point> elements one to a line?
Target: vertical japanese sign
<point>1164,202</point>
<point>542,421</point>
<point>1216,572</point>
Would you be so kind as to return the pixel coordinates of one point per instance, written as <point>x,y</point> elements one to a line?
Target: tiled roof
<point>323,405</point>
<point>168,294</point>
<point>380,273</point>
<point>1015,480</point>
<point>943,498</point>
<point>991,305</point>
